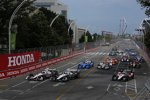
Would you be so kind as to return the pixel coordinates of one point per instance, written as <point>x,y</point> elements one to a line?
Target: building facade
<point>53,5</point>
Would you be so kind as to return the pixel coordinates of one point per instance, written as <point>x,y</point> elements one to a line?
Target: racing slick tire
<point>41,78</point>
<point>29,77</point>
<point>53,78</point>
<point>124,79</point>
<point>65,79</point>
<point>99,66</point>
<point>114,78</point>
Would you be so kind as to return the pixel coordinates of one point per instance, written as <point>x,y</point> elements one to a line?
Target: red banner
<point>21,63</point>
<point>11,61</point>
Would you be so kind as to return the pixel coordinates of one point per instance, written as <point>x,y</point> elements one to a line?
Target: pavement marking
<point>131,89</point>
<point>19,84</point>
<point>67,90</point>
<point>90,87</point>
<point>58,84</point>
<point>39,84</point>
<point>108,87</point>
<point>33,82</point>
<point>97,53</point>
<point>19,91</point>
<point>15,85</point>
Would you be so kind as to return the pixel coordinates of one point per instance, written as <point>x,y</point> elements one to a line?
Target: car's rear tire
<point>114,78</point>
<point>124,79</point>
<point>64,79</point>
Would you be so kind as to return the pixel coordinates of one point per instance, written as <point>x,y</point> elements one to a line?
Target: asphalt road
<point>92,85</point>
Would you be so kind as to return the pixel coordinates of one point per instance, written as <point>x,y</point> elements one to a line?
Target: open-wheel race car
<point>125,58</point>
<point>45,74</point>
<point>86,65</point>
<point>67,75</point>
<point>111,61</point>
<point>123,75</point>
<point>103,65</point>
<point>134,64</point>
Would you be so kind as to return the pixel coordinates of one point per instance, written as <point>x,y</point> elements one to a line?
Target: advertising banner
<point>11,61</point>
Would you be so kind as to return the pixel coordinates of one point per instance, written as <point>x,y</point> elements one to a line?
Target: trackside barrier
<point>15,72</point>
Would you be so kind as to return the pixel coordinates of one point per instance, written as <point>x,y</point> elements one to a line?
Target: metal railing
<point>51,52</point>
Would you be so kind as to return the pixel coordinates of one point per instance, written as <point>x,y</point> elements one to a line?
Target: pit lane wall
<point>17,64</point>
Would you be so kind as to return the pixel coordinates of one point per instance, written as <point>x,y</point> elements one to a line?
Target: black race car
<point>123,75</point>
<point>66,75</point>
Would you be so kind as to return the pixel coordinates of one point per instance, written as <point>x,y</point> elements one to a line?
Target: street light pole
<point>54,20</point>
<point>85,38</point>
<point>10,23</point>
<point>70,26</point>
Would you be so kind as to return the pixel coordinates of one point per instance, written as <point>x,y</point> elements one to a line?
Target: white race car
<point>123,75</point>
<point>102,65</point>
<point>45,74</point>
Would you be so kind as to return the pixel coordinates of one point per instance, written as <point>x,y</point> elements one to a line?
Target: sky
<point>99,15</point>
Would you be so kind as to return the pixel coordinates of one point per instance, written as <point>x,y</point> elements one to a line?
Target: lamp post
<point>85,38</point>
<point>10,23</point>
<point>54,20</point>
<point>71,46</point>
<point>70,26</point>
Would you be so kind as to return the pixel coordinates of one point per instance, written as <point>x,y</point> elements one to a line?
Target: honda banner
<point>11,61</point>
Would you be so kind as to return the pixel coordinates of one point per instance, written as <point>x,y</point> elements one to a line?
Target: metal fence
<point>51,52</point>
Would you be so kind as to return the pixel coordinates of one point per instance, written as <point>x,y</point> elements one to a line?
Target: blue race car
<point>85,65</point>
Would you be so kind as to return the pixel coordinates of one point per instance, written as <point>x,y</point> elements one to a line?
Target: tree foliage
<point>33,25</point>
<point>89,36</point>
<point>146,4</point>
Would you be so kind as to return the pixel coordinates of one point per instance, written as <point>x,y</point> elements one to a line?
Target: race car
<point>103,65</point>
<point>123,75</point>
<point>86,65</point>
<point>45,74</point>
<point>113,53</point>
<point>67,75</point>
<point>139,58</point>
<point>111,61</point>
<point>125,59</point>
<point>134,64</point>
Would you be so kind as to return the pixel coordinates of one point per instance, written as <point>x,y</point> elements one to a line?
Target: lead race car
<point>86,65</point>
<point>45,74</point>
<point>123,75</point>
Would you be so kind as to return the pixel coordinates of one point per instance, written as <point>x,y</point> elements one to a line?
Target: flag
<point>13,41</point>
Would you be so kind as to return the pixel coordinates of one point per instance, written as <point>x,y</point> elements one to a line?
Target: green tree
<point>88,34</point>
<point>146,4</point>
<point>6,9</point>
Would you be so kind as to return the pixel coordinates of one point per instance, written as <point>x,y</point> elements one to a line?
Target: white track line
<point>108,87</point>
<point>19,84</point>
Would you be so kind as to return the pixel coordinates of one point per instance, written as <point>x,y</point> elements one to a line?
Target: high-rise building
<point>53,5</point>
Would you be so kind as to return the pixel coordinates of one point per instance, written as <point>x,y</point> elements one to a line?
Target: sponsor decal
<point>12,61</point>
<point>11,73</point>
<point>20,60</point>
<point>2,75</point>
<point>38,66</point>
<point>31,68</point>
<point>24,70</point>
